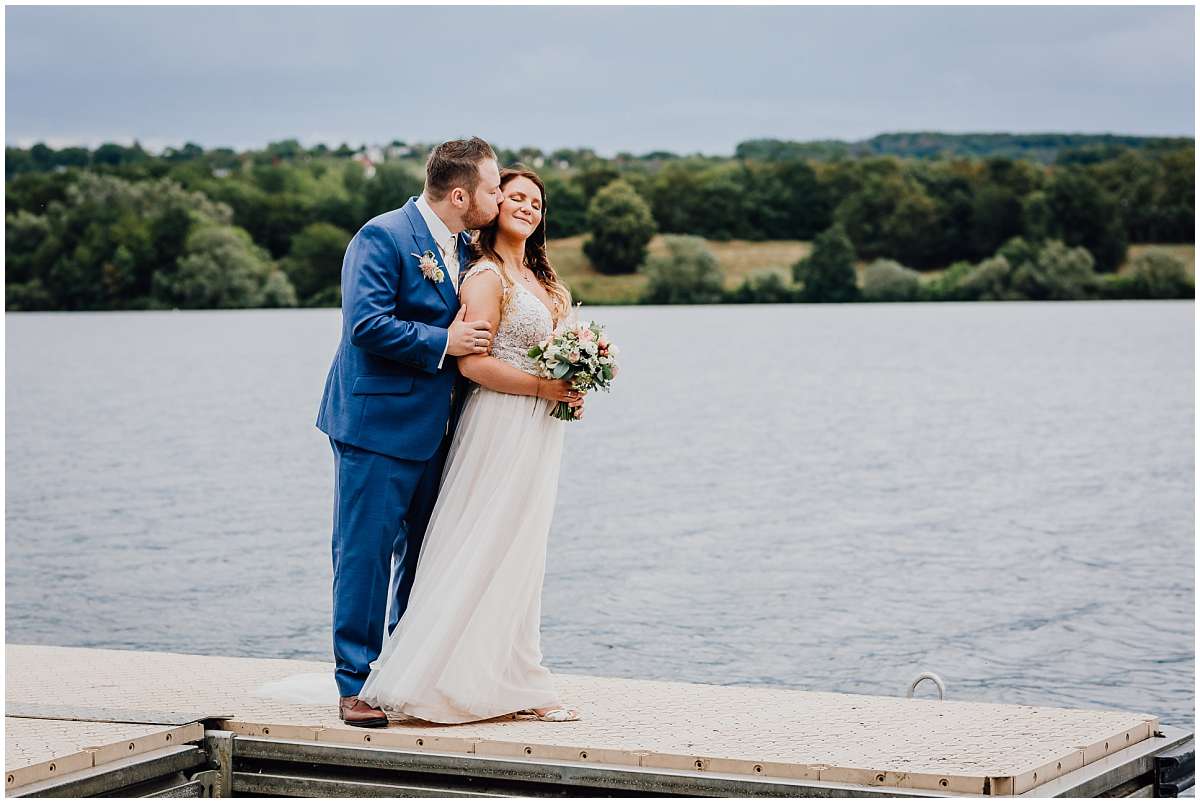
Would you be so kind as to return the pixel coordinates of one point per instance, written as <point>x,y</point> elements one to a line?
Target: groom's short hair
<point>455,164</point>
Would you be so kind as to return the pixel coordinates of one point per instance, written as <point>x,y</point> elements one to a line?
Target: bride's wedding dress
<point>468,645</point>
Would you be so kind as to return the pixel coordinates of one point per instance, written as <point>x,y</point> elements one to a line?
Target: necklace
<point>528,276</point>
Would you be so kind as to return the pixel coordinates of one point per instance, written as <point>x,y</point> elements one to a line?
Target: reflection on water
<point>832,498</point>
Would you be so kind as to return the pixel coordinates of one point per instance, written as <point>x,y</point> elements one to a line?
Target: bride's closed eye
<point>519,197</point>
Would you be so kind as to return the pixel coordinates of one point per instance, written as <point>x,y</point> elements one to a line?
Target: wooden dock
<point>89,721</point>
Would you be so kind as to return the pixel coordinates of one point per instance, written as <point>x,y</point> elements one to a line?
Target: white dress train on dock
<point>468,646</point>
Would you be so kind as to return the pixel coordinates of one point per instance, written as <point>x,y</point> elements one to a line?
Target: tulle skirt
<point>468,646</point>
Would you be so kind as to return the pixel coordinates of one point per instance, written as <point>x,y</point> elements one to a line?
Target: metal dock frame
<point>225,764</point>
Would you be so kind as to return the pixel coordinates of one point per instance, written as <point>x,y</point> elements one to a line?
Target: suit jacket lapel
<point>423,241</point>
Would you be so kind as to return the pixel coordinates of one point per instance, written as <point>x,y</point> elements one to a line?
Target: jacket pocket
<point>373,385</point>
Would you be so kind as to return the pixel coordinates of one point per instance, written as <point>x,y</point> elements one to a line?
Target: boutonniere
<point>429,267</point>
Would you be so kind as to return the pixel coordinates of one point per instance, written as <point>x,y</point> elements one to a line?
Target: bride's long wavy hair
<point>483,245</point>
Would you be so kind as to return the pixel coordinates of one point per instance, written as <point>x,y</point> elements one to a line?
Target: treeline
<point>121,228</point>
<point>1044,148</point>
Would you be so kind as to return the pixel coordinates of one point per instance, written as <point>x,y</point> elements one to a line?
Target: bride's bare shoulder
<point>484,267</point>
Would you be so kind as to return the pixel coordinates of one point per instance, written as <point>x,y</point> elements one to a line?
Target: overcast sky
<point>679,78</point>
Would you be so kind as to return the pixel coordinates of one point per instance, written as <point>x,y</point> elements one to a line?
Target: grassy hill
<point>739,258</point>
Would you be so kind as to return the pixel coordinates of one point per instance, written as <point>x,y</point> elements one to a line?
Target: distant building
<point>368,165</point>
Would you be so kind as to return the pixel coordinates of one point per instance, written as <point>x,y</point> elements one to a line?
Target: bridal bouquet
<point>581,353</point>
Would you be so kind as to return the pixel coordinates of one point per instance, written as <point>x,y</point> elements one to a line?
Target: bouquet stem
<point>563,412</point>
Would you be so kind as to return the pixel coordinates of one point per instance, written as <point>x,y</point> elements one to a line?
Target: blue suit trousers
<point>381,508</point>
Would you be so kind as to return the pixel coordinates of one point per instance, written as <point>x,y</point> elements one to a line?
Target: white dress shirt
<point>447,243</point>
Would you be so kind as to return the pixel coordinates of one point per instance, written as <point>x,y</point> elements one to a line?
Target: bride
<point>468,645</point>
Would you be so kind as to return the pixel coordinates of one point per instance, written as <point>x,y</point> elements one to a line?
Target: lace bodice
<point>524,320</point>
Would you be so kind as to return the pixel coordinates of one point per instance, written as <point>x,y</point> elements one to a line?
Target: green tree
<point>997,217</point>
<point>73,157</point>
<point>1085,214</point>
<point>17,161</point>
<point>720,208</point>
<point>672,194</point>
<point>827,274</point>
<point>804,204</point>
<point>594,176</point>
<point>34,191</point>
<point>112,154</point>
<point>1037,216</point>
<point>24,233</point>
<point>892,216</point>
<point>42,156</point>
<point>390,188</point>
<point>315,261</point>
<point>272,219</point>
<point>107,237</point>
<point>621,226</point>
<point>888,280</point>
<point>223,268</point>
<point>1176,203</point>
<point>566,208</point>
<point>944,235</point>
<point>687,274</point>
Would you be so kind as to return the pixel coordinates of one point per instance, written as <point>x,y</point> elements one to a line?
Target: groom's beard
<point>474,218</point>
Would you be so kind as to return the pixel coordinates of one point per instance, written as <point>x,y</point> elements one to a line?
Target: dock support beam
<point>219,746</point>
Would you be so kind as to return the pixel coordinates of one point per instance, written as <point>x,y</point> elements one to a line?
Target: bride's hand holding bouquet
<point>579,354</point>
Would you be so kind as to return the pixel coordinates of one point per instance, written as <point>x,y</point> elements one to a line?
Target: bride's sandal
<point>553,715</point>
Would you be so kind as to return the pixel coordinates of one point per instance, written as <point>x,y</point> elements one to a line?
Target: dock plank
<point>38,749</point>
<point>950,746</point>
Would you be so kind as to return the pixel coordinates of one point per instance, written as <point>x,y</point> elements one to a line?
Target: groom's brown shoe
<point>355,712</point>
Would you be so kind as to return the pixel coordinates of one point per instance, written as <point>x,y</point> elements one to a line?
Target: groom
<point>388,398</point>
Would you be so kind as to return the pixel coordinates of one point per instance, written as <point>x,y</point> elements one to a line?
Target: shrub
<point>687,274</point>
<point>827,274</point>
<point>1057,273</point>
<point>26,296</point>
<point>763,288</point>
<point>1018,251</point>
<point>987,281</point>
<point>946,286</point>
<point>887,280</point>
<point>1159,274</point>
<point>621,226</point>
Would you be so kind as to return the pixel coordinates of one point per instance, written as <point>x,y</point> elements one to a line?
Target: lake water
<point>832,498</point>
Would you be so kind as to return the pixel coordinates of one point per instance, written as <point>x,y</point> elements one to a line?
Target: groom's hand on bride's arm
<point>468,337</point>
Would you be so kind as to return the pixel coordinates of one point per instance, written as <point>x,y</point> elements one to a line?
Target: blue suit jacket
<point>385,392</point>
